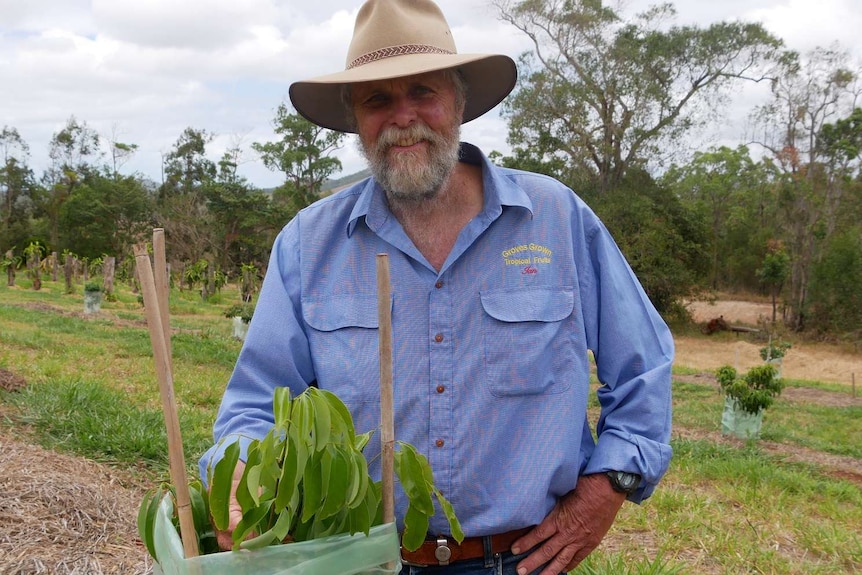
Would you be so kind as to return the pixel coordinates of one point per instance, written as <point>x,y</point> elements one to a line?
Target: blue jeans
<point>499,564</point>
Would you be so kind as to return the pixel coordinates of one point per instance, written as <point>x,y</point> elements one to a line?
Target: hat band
<point>403,50</point>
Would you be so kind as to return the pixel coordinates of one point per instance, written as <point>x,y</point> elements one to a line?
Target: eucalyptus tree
<point>182,201</point>
<point>303,155</point>
<point>74,152</point>
<point>244,216</point>
<point>607,94</point>
<point>18,190</point>
<point>186,167</point>
<point>820,87</point>
<point>835,302</point>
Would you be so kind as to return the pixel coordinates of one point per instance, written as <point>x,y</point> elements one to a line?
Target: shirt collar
<point>500,191</point>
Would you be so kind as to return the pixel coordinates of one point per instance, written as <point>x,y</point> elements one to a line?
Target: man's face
<point>409,130</point>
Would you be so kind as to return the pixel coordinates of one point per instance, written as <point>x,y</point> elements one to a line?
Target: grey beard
<point>413,181</point>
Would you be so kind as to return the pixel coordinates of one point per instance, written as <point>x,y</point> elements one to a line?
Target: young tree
<point>608,94</point>
<point>303,155</point>
<point>773,274</point>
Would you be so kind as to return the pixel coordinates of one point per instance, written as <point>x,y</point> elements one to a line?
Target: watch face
<point>624,482</point>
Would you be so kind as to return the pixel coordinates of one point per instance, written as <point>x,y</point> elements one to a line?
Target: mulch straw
<point>65,515</point>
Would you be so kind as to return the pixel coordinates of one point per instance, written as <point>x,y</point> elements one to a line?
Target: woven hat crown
<point>385,29</point>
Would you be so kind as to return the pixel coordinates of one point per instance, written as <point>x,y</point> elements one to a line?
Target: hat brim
<point>489,79</point>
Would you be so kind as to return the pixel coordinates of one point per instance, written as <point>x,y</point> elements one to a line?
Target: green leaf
<point>341,474</point>
<point>271,454</point>
<point>312,490</point>
<point>362,440</point>
<point>359,484</point>
<point>302,418</point>
<point>250,521</point>
<point>449,511</point>
<point>415,528</point>
<point>147,519</point>
<point>282,526</point>
<point>250,483</point>
<point>200,511</point>
<point>263,540</point>
<point>221,483</point>
<point>295,460</point>
<point>410,472</point>
<point>342,420</point>
<point>281,406</point>
<point>321,417</point>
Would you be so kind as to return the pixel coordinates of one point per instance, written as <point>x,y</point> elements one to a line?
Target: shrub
<point>241,310</point>
<point>774,350</point>
<point>754,391</point>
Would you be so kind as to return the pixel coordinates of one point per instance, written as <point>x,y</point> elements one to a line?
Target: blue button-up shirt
<point>490,354</point>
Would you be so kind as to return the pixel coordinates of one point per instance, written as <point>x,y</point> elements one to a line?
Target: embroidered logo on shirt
<point>527,256</point>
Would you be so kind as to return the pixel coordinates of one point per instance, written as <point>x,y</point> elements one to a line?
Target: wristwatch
<point>624,482</point>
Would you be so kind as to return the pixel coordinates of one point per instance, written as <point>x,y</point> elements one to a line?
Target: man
<point>501,282</point>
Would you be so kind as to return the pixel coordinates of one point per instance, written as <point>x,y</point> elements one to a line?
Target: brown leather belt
<point>445,550</point>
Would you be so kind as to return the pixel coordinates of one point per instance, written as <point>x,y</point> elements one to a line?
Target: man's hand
<point>225,538</point>
<point>575,527</point>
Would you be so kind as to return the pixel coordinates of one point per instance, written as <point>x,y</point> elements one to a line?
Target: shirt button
<point>441,388</point>
<point>439,443</point>
<point>438,285</point>
<point>438,338</point>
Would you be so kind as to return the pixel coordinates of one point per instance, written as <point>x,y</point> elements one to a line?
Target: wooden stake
<point>160,274</point>
<point>853,378</point>
<point>387,418</point>
<point>166,389</point>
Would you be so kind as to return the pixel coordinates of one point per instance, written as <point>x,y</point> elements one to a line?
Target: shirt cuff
<point>620,451</point>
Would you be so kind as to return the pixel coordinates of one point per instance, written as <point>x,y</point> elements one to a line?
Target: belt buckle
<point>442,553</point>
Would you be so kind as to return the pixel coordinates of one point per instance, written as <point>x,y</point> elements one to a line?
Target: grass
<point>92,386</point>
<point>723,508</point>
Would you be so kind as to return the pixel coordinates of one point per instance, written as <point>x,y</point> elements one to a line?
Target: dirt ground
<point>808,361</point>
<point>67,515</point>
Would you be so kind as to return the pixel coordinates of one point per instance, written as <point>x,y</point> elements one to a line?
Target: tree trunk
<point>108,273</point>
<point>55,266</point>
<point>69,272</point>
<point>35,266</point>
<point>10,271</point>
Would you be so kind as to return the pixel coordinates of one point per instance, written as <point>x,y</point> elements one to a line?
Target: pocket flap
<point>529,304</point>
<point>340,311</point>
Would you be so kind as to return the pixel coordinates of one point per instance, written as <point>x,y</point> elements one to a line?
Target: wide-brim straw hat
<point>397,38</point>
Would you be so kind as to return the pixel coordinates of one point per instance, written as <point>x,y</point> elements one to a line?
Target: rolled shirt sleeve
<point>634,351</point>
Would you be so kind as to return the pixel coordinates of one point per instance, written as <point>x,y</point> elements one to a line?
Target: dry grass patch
<point>65,515</point>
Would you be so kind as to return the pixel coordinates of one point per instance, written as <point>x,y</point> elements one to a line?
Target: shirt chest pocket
<point>528,340</point>
<point>343,338</point>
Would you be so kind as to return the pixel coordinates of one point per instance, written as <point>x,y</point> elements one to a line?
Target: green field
<point>725,507</point>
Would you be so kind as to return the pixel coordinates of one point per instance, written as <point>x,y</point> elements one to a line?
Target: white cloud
<point>805,25</point>
<point>150,69</point>
<point>192,24</point>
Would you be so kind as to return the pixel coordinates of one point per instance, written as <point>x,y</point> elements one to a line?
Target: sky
<point>142,71</point>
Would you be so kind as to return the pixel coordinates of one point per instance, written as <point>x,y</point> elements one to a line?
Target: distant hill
<point>344,181</point>
<point>333,185</point>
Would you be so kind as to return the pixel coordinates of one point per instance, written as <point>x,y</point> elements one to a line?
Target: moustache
<point>406,136</point>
